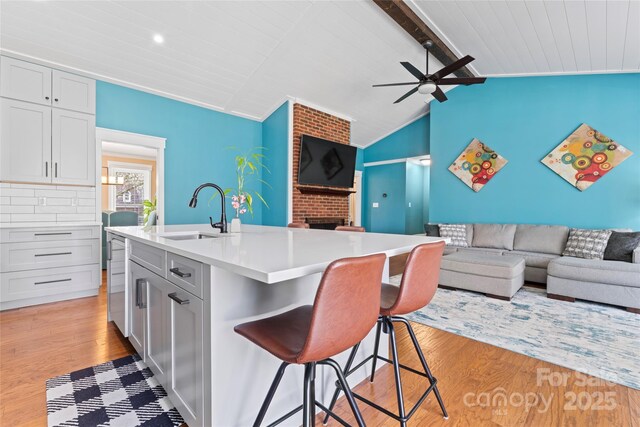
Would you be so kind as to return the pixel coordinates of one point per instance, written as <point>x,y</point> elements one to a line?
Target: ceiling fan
<point>429,84</point>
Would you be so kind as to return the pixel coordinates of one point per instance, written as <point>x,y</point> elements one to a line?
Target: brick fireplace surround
<point>308,121</point>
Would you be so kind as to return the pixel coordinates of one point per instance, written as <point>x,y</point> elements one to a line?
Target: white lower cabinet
<point>168,331</point>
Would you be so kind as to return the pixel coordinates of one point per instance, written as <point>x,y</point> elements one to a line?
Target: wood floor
<point>37,343</point>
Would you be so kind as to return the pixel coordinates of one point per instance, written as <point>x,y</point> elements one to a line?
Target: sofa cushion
<point>620,246</point>
<point>483,264</point>
<point>456,232</point>
<point>585,243</point>
<point>547,239</point>
<point>499,236</point>
<point>449,250</point>
<point>493,251</point>
<point>596,271</point>
<point>534,259</point>
<point>469,234</point>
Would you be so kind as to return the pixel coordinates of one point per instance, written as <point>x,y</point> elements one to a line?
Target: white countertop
<point>48,224</point>
<point>272,254</point>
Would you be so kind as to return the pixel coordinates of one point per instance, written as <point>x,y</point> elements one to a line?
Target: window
<point>134,190</point>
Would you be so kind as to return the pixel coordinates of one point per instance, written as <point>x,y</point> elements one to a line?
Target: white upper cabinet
<point>73,148</point>
<point>25,142</point>
<point>48,125</point>
<point>73,92</point>
<point>25,81</point>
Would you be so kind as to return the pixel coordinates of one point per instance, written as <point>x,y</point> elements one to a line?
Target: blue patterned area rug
<point>594,339</point>
<point>122,392</point>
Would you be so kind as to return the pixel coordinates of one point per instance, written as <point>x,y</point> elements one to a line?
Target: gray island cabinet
<point>187,286</point>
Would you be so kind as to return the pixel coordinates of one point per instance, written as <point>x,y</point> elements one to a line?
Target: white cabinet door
<point>73,92</point>
<point>185,386</point>
<point>25,142</point>
<point>157,326</point>
<point>74,147</point>
<point>25,81</point>
<point>137,308</point>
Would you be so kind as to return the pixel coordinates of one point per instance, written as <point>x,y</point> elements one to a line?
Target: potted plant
<point>148,207</point>
<point>248,165</point>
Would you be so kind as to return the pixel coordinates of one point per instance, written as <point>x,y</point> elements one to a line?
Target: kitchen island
<point>187,286</point>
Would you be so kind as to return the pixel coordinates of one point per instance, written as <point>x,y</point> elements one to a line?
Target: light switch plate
<point>42,201</point>
<point>409,204</point>
<point>376,204</point>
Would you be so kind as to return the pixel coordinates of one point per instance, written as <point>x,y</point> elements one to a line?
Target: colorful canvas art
<point>477,164</point>
<point>585,157</point>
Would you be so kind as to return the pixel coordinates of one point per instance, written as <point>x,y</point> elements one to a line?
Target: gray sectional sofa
<point>495,268</point>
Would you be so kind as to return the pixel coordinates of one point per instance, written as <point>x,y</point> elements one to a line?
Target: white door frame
<point>154,142</point>
<point>358,219</point>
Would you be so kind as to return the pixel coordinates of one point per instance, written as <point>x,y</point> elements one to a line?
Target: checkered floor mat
<point>122,392</point>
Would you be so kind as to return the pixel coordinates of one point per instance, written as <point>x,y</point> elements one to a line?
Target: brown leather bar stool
<point>350,228</point>
<point>298,225</point>
<point>344,311</point>
<point>418,286</point>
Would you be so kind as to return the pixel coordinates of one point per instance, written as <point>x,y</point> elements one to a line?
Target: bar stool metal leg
<point>336,393</point>
<point>375,349</point>
<point>347,391</point>
<point>308,403</point>
<point>425,366</point>
<point>396,373</point>
<point>269,398</point>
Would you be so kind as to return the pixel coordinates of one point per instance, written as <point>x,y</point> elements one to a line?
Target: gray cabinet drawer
<point>50,281</point>
<point>35,255</point>
<point>8,235</point>
<point>147,256</point>
<point>186,273</point>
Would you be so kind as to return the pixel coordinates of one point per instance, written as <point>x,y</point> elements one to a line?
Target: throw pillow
<point>432,230</point>
<point>621,246</point>
<point>456,232</point>
<point>588,244</point>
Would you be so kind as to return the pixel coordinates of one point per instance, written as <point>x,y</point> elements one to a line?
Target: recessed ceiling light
<point>158,38</point>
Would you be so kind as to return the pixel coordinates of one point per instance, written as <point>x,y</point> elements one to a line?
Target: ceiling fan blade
<point>396,84</point>
<point>461,81</point>
<point>413,70</point>
<point>406,95</point>
<point>439,95</point>
<point>450,68</point>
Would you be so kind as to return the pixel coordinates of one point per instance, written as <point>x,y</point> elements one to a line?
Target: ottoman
<point>497,276</point>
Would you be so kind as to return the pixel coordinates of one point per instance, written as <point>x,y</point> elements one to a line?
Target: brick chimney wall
<point>308,121</point>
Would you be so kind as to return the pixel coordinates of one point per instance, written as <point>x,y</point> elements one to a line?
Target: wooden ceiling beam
<point>402,14</point>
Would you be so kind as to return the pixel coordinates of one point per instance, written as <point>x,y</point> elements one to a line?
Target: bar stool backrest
<point>346,306</point>
<point>420,278</point>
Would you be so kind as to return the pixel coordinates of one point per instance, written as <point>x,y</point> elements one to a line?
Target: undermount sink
<point>189,236</point>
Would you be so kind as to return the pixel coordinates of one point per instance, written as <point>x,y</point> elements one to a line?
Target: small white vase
<point>235,225</point>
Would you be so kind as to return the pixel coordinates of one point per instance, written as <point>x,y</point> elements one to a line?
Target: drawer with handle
<point>8,235</point>
<point>147,256</point>
<point>35,255</point>
<point>50,281</point>
<point>186,273</point>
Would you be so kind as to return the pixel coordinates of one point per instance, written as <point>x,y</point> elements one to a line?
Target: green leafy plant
<point>148,207</point>
<point>248,167</point>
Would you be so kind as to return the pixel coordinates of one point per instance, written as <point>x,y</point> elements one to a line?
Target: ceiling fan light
<point>427,88</point>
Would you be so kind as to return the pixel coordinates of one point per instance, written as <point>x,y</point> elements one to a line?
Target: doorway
<point>355,201</point>
<point>131,171</point>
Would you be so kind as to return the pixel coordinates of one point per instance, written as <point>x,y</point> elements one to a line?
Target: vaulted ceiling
<point>245,58</point>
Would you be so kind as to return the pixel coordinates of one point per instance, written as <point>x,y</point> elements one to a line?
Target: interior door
<point>73,92</point>
<point>25,142</point>
<point>185,387</point>
<point>74,148</point>
<point>25,81</point>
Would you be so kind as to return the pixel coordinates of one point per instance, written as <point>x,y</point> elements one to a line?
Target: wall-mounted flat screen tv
<point>326,163</point>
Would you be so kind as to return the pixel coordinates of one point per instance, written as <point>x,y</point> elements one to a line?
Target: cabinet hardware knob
<point>46,97</point>
<point>179,273</point>
<point>55,99</point>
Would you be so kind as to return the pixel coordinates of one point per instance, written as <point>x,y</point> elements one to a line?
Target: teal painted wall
<point>523,119</point>
<point>410,141</point>
<point>275,139</point>
<point>195,149</point>
<point>414,198</point>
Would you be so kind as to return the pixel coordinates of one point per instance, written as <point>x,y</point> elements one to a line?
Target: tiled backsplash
<point>46,203</point>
